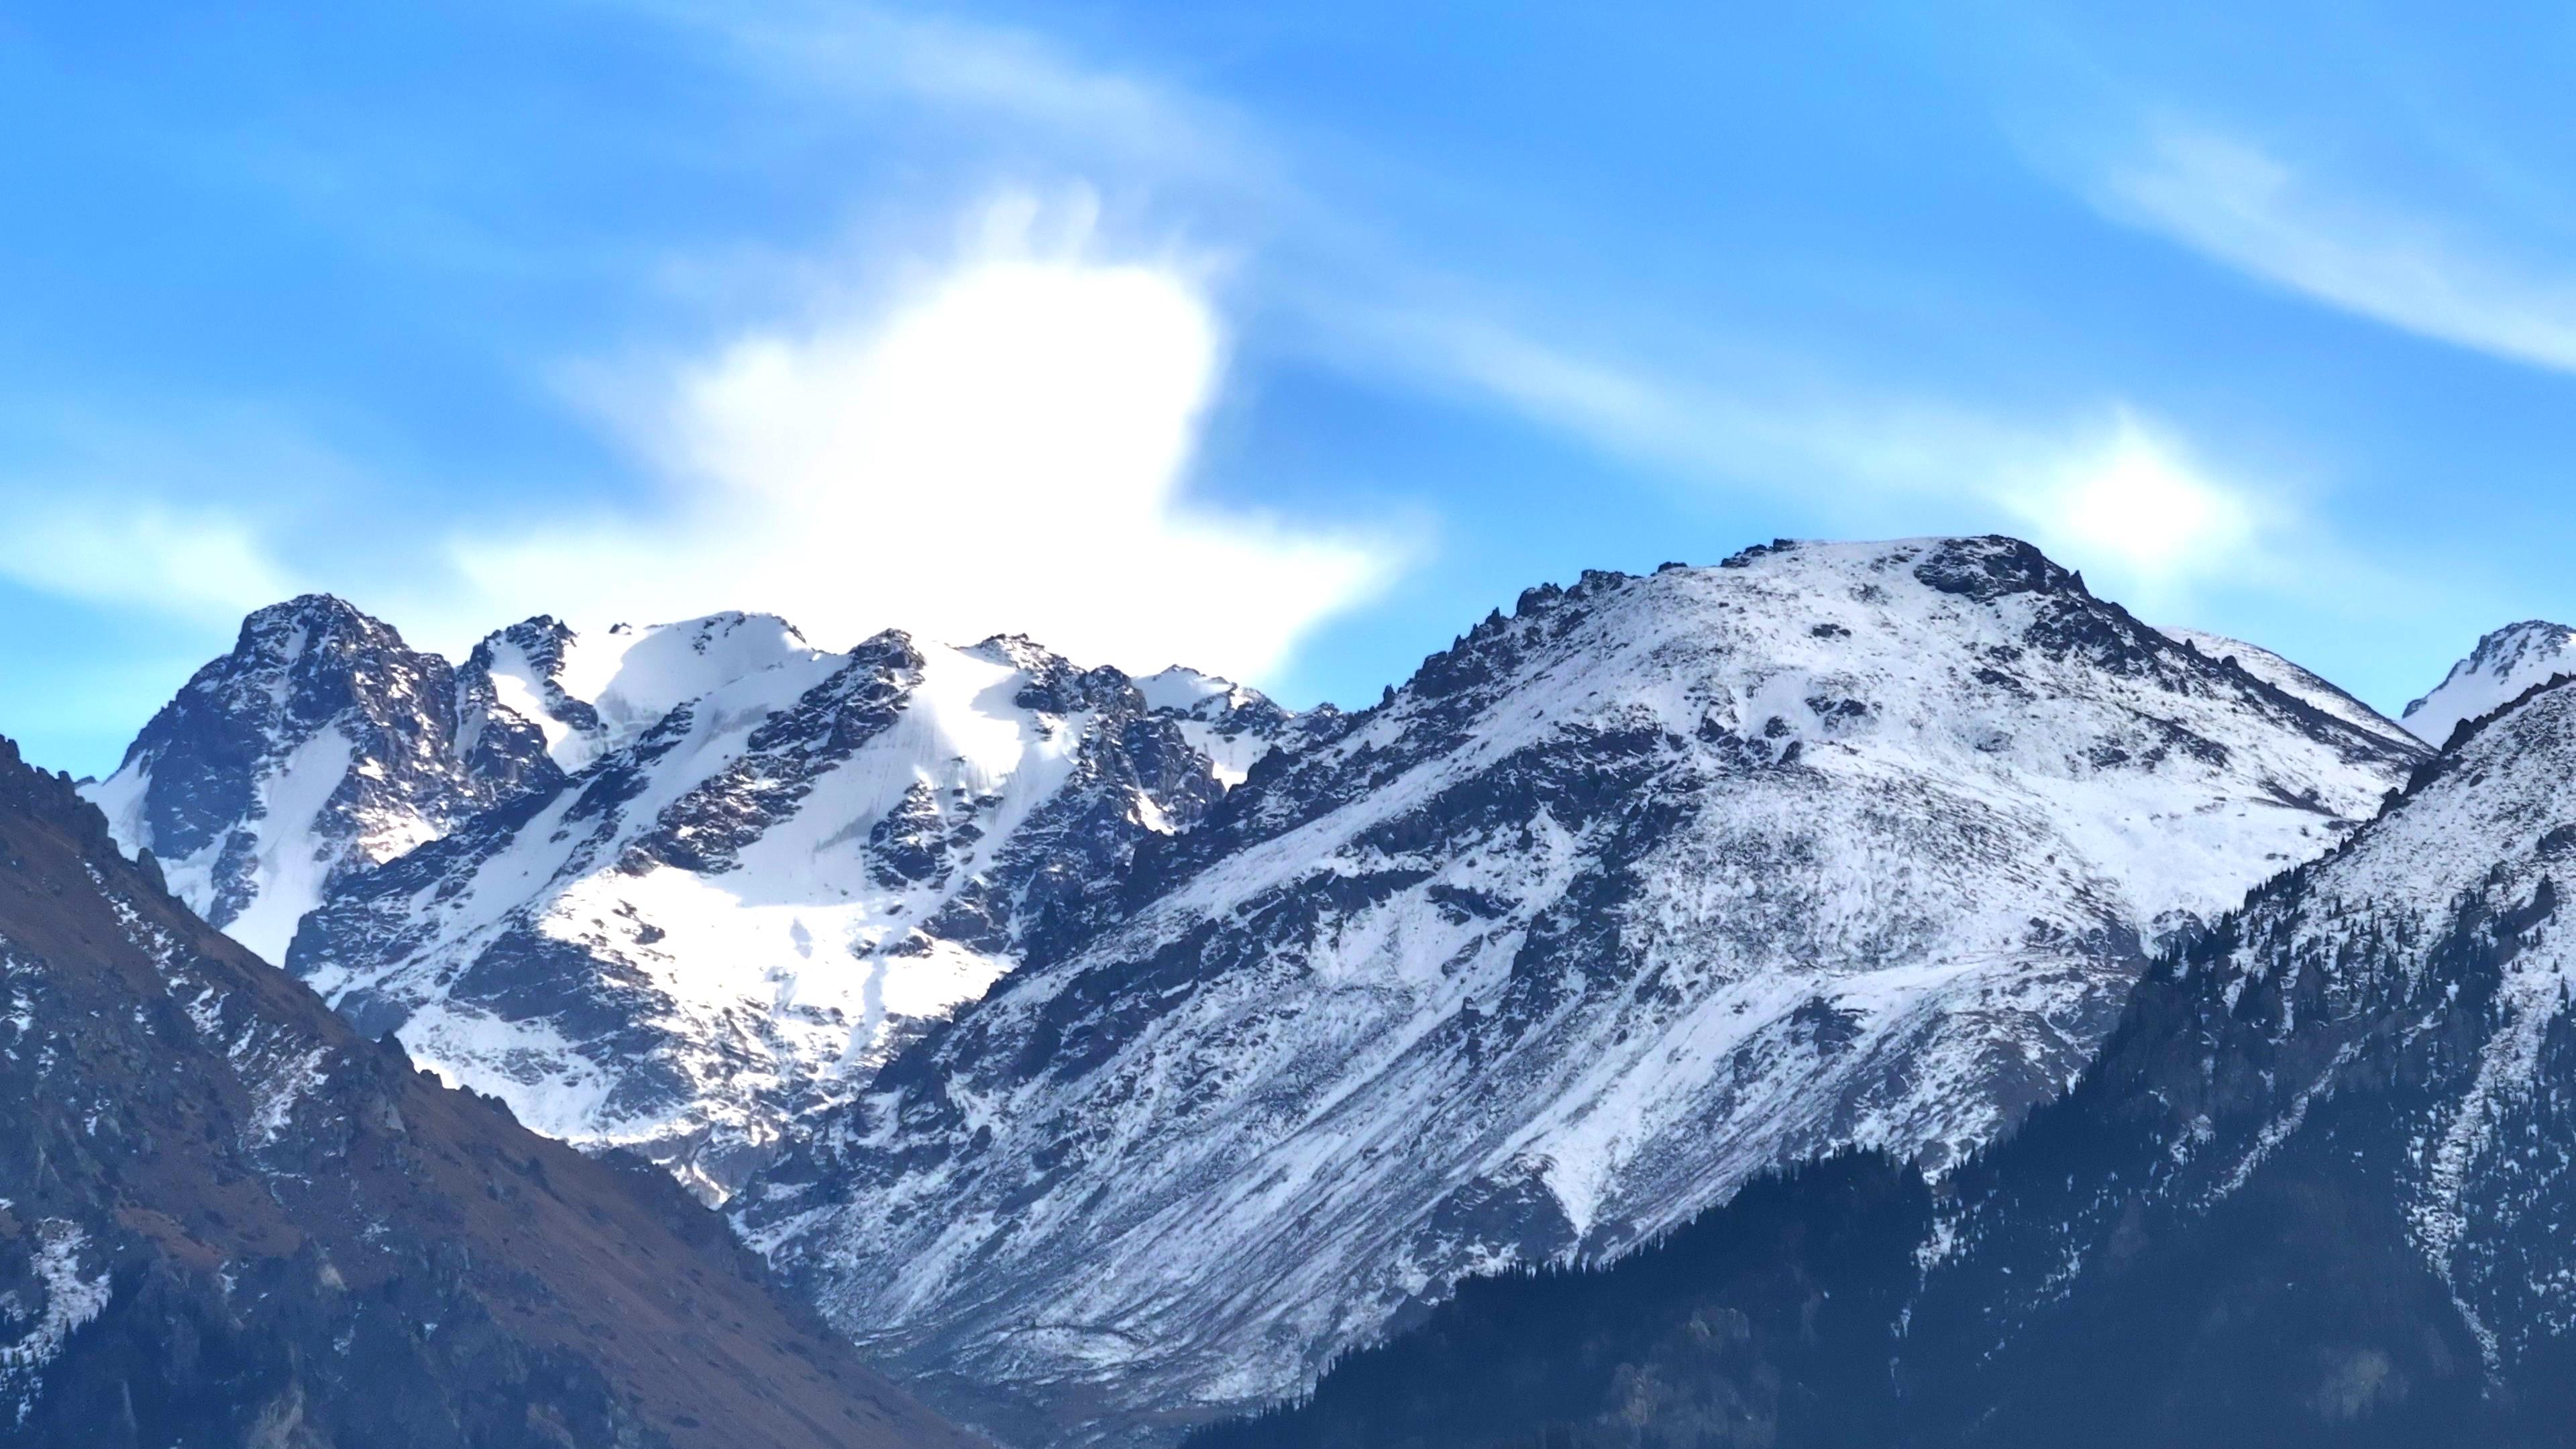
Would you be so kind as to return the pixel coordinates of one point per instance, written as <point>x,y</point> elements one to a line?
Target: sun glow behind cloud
<point>1004,451</point>
<point>2106,489</point>
<point>2136,500</point>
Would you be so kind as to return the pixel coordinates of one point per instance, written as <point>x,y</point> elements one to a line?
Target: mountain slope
<point>227,1219</point>
<point>2294,680</point>
<point>771,867</point>
<point>319,748</point>
<point>2317,1191</point>
<point>1623,899</point>
<point>2505,663</point>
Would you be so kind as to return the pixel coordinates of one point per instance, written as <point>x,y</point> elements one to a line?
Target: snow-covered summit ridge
<point>2505,663</point>
<point>592,693</point>
<point>727,917</point>
<point>323,745</point>
<point>1651,885</point>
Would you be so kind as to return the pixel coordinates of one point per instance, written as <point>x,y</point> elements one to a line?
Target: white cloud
<point>2242,206</point>
<point>2109,490</point>
<point>2134,499</point>
<point>140,554</point>
<point>1005,451</point>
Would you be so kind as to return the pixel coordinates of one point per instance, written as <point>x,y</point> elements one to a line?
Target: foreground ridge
<point>226,1218</point>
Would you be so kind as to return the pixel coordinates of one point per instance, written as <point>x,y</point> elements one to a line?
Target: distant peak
<point>2515,640</point>
<point>2506,663</point>
<point>730,621</point>
<point>1191,691</point>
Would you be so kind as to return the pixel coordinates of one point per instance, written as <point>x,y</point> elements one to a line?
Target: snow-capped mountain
<point>2293,679</point>
<point>319,747</point>
<point>589,694</point>
<point>2317,1191</point>
<point>226,1219</point>
<point>1657,883</point>
<point>2505,663</point>
<point>768,868</point>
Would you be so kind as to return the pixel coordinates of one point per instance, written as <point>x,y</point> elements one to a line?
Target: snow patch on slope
<point>741,910</point>
<point>67,1301</point>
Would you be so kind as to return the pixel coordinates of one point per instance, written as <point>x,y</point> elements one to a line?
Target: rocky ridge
<point>2505,663</point>
<point>2316,1191</point>
<point>759,881</point>
<point>1651,887</point>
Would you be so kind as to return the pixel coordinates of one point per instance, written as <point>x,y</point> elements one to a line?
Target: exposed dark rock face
<point>1655,885</point>
<point>2316,1191</point>
<point>227,1219</point>
<point>319,748</point>
<point>727,916</point>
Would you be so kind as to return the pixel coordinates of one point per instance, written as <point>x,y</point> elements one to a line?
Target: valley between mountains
<point>1105,1057</point>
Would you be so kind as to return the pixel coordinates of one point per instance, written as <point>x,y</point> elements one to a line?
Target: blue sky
<point>1285,340</point>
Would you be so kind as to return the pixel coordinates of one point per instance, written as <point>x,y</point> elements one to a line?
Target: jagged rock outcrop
<point>320,747</point>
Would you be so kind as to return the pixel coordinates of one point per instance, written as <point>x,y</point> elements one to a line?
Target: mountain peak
<point>1019,651</point>
<point>2314,1191</point>
<point>1650,887</point>
<point>304,608</point>
<point>320,744</point>
<point>2505,663</point>
<point>589,694</point>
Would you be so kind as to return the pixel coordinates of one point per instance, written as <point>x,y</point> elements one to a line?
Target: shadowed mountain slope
<point>225,1218</point>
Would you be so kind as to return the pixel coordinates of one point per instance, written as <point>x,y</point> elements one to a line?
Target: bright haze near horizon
<point>1280,341</point>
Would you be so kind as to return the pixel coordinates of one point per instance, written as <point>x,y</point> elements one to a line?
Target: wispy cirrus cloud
<point>2246,207</point>
<point>129,552</point>
<point>962,69</point>
<point>2106,486</point>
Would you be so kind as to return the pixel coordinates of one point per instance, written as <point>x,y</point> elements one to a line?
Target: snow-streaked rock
<point>226,1219</point>
<point>2505,663</point>
<point>1656,883</point>
<point>2293,679</point>
<point>2316,1190</point>
<point>318,748</point>
<point>729,915</point>
<point>592,693</point>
